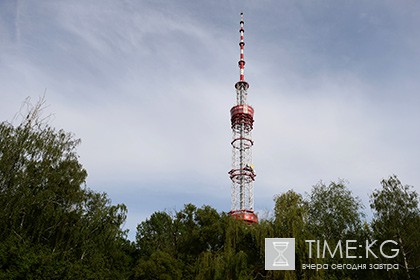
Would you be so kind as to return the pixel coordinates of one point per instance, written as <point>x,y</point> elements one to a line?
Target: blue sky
<point>147,86</point>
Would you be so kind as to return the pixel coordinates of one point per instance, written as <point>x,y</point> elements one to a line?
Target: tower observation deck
<point>242,173</point>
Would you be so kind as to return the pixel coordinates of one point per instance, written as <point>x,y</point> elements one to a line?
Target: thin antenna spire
<point>241,45</point>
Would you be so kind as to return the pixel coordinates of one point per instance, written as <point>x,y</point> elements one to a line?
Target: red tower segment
<point>242,173</point>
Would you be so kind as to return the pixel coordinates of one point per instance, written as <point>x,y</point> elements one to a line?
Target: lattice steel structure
<point>242,173</point>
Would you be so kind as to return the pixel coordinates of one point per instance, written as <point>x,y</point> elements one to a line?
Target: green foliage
<point>51,225</point>
<point>291,221</point>
<point>334,214</point>
<point>397,217</point>
<point>395,207</point>
<point>199,243</point>
<point>291,214</point>
<point>205,245</point>
<point>160,265</point>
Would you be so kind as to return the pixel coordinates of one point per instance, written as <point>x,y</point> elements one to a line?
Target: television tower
<point>242,173</point>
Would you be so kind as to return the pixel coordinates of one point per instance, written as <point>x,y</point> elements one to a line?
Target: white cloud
<point>148,86</point>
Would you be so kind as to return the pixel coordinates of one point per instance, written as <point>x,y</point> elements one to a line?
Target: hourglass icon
<point>280,247</point>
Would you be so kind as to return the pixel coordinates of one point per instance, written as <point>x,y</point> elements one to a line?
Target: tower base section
<point>247,216</point>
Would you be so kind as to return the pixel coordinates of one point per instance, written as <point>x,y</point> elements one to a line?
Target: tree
<point>160,265</point>
<point>334,214</point>
<point>291,214</point>
<point>397,217</point>
<point>199,243</point>
<point>291,221</point>
<point>156,233</point>
<point>51,225</point>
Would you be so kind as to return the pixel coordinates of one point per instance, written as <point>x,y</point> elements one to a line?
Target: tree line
<point>52,226</point>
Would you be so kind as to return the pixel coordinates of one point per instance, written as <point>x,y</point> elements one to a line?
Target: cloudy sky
<point>147,86</point>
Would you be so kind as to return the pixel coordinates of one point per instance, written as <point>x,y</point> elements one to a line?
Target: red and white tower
<point>242,173</point>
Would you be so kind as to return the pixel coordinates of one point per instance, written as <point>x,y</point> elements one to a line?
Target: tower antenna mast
<point>242,173</point>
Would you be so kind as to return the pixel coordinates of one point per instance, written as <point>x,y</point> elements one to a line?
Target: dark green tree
<point>160,265</point>
<point>334,216</point>
<point>397,217</point>
<point>199,243</point>
<point>334,213</point>
<point>51,225</point>
<point>157,234</point>
<point>291,213</point>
